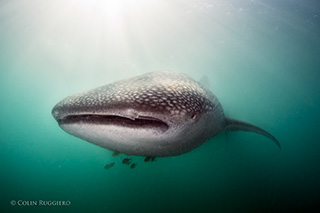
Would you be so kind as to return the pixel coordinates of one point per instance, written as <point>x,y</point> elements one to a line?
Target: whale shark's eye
<point>194,116</point>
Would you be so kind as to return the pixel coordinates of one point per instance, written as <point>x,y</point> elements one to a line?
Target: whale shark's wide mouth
<point>142,122</point>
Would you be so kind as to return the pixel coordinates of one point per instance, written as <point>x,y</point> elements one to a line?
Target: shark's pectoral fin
<point>236,125</point>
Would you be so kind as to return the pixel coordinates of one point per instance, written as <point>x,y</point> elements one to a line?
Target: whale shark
<point>157,114</point>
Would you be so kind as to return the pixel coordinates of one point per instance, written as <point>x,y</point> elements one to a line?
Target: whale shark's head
<point>155,114</point>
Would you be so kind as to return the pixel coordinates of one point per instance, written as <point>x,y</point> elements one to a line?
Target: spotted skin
<point>166,92</point>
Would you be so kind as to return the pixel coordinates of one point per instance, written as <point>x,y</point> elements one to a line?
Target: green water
<point>262,61</point>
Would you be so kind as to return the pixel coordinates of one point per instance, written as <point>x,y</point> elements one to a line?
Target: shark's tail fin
<point>235,125</point>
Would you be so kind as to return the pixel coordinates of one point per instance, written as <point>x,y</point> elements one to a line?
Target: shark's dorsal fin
<point>205,81</point>
<point>236,125</point>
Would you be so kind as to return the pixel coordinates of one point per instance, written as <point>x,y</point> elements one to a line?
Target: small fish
<point>126,161</point>
<point>133,165</point>
<point>108,166</point>
<point>153,158</point>
<point>115,154</point>
<point>146,159</point>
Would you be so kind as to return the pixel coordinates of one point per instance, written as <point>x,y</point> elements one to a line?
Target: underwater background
<point>262,59</point>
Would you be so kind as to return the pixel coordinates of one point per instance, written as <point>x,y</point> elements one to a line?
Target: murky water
<point>261,59</point>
